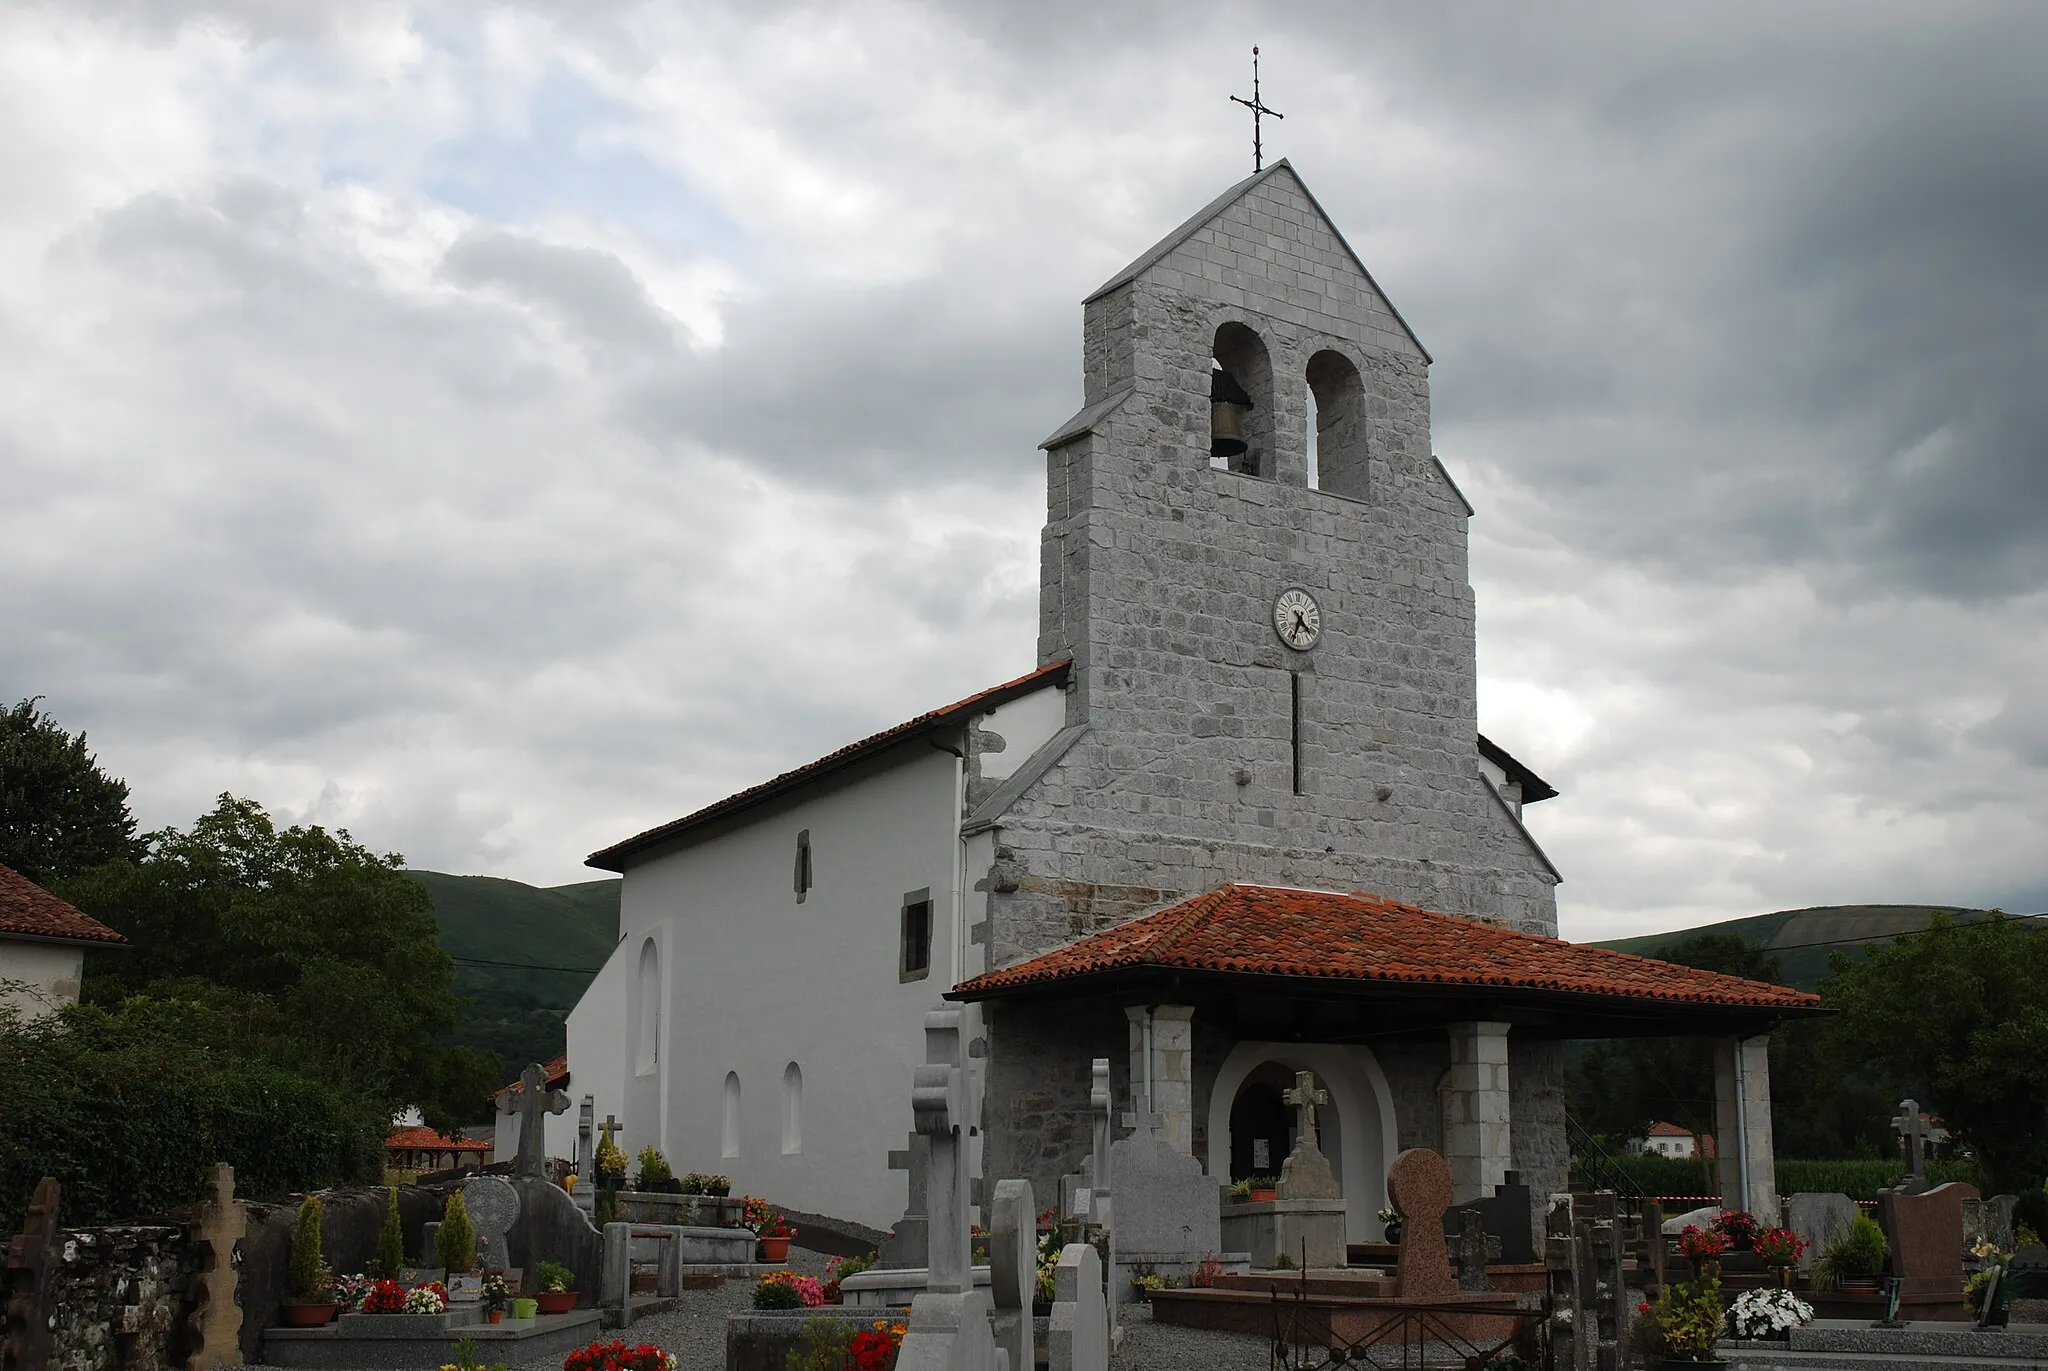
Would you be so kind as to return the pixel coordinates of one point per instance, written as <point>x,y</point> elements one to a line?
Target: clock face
<point>1297,619</point>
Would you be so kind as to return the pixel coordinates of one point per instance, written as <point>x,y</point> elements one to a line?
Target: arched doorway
<point>1357,1125</point>
<point>1261,1133</point>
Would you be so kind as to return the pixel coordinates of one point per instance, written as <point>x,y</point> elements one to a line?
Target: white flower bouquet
<point>426,1299</point>
<point>1768,1313</point>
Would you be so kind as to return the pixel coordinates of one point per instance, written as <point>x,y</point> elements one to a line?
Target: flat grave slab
<point>402,1342</point>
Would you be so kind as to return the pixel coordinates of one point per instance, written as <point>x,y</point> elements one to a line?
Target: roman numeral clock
<point>1297,619</point>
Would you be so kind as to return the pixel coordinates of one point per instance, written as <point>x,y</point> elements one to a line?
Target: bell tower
<point>1258,567</point>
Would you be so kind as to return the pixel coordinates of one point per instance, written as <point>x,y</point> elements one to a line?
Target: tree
<point>328,953</point>
<point>1960,1013</point>
<point>59,813</point>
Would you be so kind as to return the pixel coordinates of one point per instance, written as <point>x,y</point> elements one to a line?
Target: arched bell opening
<point>1337,419</point>
<point>1241,402</point>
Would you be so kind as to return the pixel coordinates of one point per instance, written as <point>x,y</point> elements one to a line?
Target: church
<point>1238,823</point>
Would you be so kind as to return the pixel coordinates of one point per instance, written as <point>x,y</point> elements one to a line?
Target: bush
<point>308,1279</point>
<point>653,1169</point>
<point>776,1295</point>
<point>455,1241</point>
<point>824,1345</point>
<point>390,1258</point>
<point>1858,1252</point>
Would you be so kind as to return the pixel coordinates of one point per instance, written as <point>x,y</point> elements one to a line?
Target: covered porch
<point>1423,1030</point>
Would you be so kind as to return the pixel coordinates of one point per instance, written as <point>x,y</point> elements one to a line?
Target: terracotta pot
<point>1263,1196</point>
<point>554,1301</point>
<point>496,1316</point>
<point>775,1249</point>
<point>307,1315</point>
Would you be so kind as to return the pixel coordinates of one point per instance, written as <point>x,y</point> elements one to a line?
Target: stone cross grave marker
<point>1419,1183</point>
<point>220,1223</point>
<point>908,1244</point>
<point>1916,1133</point>
<point>938,1100</point>
<point>493,1206</point>
<point>1306,1174</point>
<point>1101,1106</point>
<point>1013,1268</point>
<point>1475,1247</point>
<point>533,1102</point>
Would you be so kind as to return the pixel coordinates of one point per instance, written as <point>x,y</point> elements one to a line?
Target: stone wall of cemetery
<point>118,1296</point>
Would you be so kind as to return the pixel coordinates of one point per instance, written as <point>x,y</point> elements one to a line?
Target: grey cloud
<point>591,291</point>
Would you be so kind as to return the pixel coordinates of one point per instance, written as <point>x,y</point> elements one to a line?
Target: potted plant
<point>1240,1191</point>
<point>1780,1249</point>
<point>773,1235</point>
<point>385,1297</point>
<point>1703,1247</point>
<point>309,1284</point>
<point>428,1298</point>
<point>554,1288</point>
<point>839,1268</point>
<point>496,1295</point>
<point>1681,1328</point>
<point>1768,1313</point>
<point>1145,1284</point>
<point>719,1186</point>
<point>1739,1227</point>
<point>655,1175</point>
<point>1853,1261</point>
<point>455,1242</point>
<point>1390,1220</point>
<point>1263,1189</point>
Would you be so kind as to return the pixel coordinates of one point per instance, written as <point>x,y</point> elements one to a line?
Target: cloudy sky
<point>496,428</point>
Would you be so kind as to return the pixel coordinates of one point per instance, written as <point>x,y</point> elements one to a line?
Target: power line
<point>527,966</point>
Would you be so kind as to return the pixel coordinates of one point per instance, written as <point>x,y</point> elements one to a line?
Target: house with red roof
<point>43,942</point>
<point>1670,1140</point>
<point>1236,823</point>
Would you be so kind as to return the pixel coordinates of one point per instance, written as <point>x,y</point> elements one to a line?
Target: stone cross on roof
<point>533,1102</point>
<point>1303,1099</point>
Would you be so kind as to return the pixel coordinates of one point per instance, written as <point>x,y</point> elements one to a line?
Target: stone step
<point>1786,1359</point>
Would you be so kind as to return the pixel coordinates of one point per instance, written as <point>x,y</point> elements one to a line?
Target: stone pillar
<point>1172,1075</point>
<point>1476,1110</point>
<point>1744,1160</point>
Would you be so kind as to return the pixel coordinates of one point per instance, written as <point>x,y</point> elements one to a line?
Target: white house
<point>1256,697</point>
<point>43,942</point>
<point>1669,1140</point>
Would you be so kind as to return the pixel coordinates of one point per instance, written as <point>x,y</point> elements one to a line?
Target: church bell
<point>1228,404</point>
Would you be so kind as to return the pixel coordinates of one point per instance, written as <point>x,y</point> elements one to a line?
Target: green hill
<point>1801,939</point>
<point>523,955</point>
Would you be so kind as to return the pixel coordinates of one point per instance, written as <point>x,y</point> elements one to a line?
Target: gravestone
<point>1306,1174</point>
<point>949,1318</point>
<point>1914,1134</point>
<point>1101,1102</point>
<point>1475,1248</point>
<point>1013,1268</point>
<point>1505,1215</point>
<point>1820,1219</point>
<point>1988,1221</point>
<point>493,1208</point>
<point>218,1226</point>
<point>908,1244</point>
<point>1926,1236</point>
<point>1419,1184</point>
<point>1077,1338</point>
<point>2022,1296</point>
<point>1168,1210</point>
<point>532,1102</point>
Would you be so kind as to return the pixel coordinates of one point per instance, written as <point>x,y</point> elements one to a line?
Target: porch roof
<point>1266,942</point>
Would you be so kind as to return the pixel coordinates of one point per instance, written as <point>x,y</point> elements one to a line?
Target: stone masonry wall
<point>1536,1121</point>
<point>119,1296</point>
<point>1159,574</point>
<point>1035,1116</point>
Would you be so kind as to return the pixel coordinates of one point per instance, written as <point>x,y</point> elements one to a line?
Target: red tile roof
<point>1669,1130</point>
<point>613,858</point>
<point>1321,935</point>
<point>558,1074</point>
<point>427,1140</point>
<point>28,910</point>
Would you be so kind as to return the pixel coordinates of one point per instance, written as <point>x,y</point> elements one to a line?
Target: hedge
<point>129,1123</point>
<point>1858,1179</point>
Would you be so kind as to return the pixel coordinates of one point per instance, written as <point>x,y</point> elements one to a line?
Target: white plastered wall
<point>37,979</point>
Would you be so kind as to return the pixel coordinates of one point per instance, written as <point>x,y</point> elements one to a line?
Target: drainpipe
<point>1148,1059</point>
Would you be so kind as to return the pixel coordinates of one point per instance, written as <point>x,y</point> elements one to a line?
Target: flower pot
<point>1393,1233</point>
<point>1264,1196</point>
<point>1860,1285</point>
<point>1784,1278</point>
<point>307,1315</point>
<point>524,1309</point>
<point>496,1316</point>
<point>555,1301</point>
<point>774,1249</point>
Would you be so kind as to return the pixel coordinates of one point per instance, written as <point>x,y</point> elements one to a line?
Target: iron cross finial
<point>1257,107</point>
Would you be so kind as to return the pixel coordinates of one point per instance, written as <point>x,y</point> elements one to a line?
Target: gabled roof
<point>557,1069</point>
<point>29,911</point>
<point>614,858</point>
<point>1158,252</point>
<point>1668,1130</point>
<point>1325,937</point>
<point>1534,787</point>
<point>422,1139</point>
